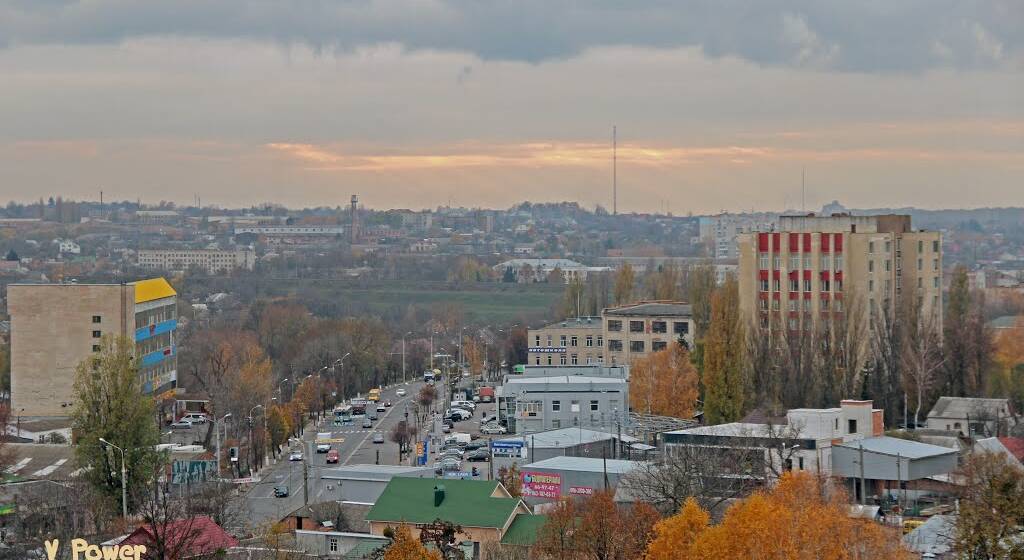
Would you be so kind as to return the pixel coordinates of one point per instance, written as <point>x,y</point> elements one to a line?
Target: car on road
<point>479,455</point>
<point>446,428</point>
<point>474,445</point>
<point>458,414</point>
<point>448,464</point>
<point>182,425</point>
<point>372,415</point>
<point>452,451</point>
<point>400,393</point>
<point>332,456</point>
<point>468,405</point>
<point>381,408</point>
<point>323,447</point>
<point>195,417</point>
<point>280,491</point>
<point>295,456</point>
<point>378,438</point>
<point>367,423</point>
<point>492,429</point>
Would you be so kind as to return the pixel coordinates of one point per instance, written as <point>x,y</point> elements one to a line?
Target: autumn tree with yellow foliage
<point>664,383</point>
<point>800,518</point>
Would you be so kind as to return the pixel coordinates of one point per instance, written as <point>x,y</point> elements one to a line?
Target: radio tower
<point>355,220</point>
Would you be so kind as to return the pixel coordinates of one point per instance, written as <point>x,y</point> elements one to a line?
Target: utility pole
<point>899,479</point>
<point>863,490</point>
<point>305,477</point>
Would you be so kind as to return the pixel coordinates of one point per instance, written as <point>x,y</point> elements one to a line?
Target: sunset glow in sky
<point>415,103</point>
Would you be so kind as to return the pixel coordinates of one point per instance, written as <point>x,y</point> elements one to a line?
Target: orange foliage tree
<point>595,529</point>
<point>664,383</point>
<point>404,546</point>
<point>799,518</point>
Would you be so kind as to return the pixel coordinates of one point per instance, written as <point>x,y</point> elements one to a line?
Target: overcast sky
<point>719,104</point>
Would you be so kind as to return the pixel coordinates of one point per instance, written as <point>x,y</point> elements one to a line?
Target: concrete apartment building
<point>636,330</point>
<point>617,337</point>
<point>721,231</point>
<point>814,265</point>
<point>54,327</point>
<point>213,261</point>
<point>575,341</point>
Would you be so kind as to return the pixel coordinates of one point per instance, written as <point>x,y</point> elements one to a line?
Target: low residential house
<point>183,538</point>
<point>1012,448</point>
<point>972,417</point>
<point>483,509</point>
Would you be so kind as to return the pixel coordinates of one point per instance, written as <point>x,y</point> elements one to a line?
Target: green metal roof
<point>466,502</point>
<point>524,530</point>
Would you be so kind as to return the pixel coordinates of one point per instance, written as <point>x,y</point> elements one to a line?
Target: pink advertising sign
<point>542,485</point>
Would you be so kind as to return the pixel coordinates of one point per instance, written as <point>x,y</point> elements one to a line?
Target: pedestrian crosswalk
<point>46,471</point>
<point>13,469</point>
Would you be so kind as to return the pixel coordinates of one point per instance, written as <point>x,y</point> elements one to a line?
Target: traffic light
<point>233,454</point>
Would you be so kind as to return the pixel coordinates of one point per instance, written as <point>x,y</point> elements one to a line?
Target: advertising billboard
<point>542,485</point>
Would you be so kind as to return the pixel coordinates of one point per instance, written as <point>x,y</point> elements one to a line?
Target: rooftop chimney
<point>438,495</point>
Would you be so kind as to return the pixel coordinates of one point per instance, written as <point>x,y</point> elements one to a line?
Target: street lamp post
<point>404,378</point>
<point>216,431</point>
<point>341,372</point>
<point>124,479</point>
<point>251,410</point>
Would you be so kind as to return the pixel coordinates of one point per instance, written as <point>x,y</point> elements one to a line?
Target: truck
<point>374,395</point>
<point>486,394</point>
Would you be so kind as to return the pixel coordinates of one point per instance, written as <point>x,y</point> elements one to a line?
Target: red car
<point>332,456</point>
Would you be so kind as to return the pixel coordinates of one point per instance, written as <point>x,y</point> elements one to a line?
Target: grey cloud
<point>861,36</point>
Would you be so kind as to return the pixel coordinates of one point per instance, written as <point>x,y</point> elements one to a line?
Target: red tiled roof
<point>1015,446</point>
<point>198,535</point>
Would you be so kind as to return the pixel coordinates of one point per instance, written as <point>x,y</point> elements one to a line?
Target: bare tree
<point>923,360</point>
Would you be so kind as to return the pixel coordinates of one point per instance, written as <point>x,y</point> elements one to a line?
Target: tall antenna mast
<point>615,172</point>
<point>803,191</point>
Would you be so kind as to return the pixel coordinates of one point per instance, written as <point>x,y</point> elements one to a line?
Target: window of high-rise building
<point>681,327</point>
<point>888,265</point>
<point>824,304</point>
<point>590,341</point>
<point>600,341</point>
<point>807,305</point>
<point>871,266</point>
<point>935,264</point>
<point>807,261</point>
<point>659,327</point>
<point>936,282</point>
<point>763,261</point>
<point>792,323</point>
<point>920,246</point>
<point>776,285</point>
<point>636,346</point>
<point>920,263</point>
<point>935,246</point>
<point>920,282</point>
<point>574,341</point>
<point>537,339</point>
<point>838,261</point>
<point>871,247</point>
<point>614,326</point>
<point>561,360</point>
<point>807,285</point>
<point>826,286</point>
<point>888,246</point>
<point>826,262</point>
<point>792,304</point>
<point>888,285</point>
<point>97,319</point>
<point>794,285</point>
<point>776,262</point>
<point>775,305</point>
<point>794,262</point>
<point>763,304</point>
<point>636,326</point>
<point>764,285</point>
<point>838,305</point>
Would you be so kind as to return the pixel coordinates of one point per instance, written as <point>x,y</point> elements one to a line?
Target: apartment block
<point>54,327</point>
<point>636,330</point>
<point>815,267</point>
<point>575,341</point>
<point>211,260</point>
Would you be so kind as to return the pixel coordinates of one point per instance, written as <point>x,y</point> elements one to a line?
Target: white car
<point>400,393</point>
<point>493,429</point>
<point>195,417</point>
<point>295,456</point>
<point>381,408</point>
<point>468,405</point>
<point>182,425</point>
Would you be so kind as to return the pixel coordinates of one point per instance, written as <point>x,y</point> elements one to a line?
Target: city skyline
<point>419,104</point>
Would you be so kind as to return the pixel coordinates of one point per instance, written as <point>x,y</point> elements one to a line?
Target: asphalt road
<point>357,447</point>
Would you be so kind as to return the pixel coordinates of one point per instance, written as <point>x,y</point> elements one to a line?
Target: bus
<point>428,376</point>
<point>374,395</point>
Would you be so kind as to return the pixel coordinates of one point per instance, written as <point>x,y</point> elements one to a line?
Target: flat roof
<point>656,308</point>
<point>569,379</point>
<point>886,445</point>
<point>584,464</point>
<point>734,429</point>
<point>566,437</point>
